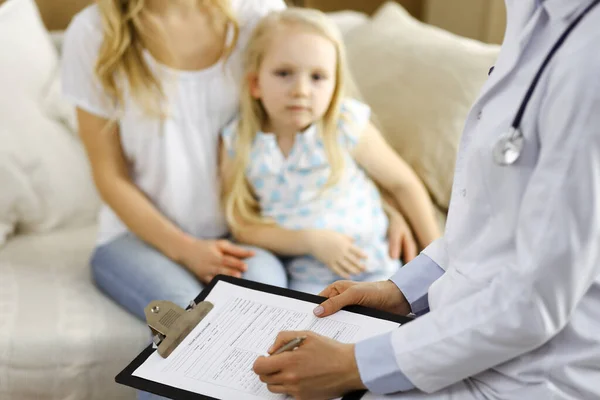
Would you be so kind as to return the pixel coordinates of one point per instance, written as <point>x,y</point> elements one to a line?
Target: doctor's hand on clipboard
<point>382,295</point>
<point>307,372</point>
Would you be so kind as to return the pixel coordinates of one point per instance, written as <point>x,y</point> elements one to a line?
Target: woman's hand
<point>383,295</point>
<point>208,258</point>
<point>400,237</point>
<point>338,252</point>
<point>320,368</point>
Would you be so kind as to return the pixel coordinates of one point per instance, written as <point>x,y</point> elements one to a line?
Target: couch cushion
<point>40,158</point>
<point>347,20</point>
<point>421,82</point>
<point>60,338</point>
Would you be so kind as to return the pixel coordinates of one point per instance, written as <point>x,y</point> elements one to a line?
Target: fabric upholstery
<point>420,82</point>
<point>61,338</point>
<point>43,166</point>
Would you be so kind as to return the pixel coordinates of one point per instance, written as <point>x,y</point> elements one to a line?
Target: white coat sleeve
<point>558,256</point>
<point>437,252</point>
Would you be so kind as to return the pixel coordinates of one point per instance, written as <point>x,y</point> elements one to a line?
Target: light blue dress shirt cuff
<point>414,280</point>
<point>378,367</point>
<point>375,357</point>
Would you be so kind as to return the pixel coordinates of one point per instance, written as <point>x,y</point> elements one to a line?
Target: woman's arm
<point>401,240</point>
<point>111,176</point>
<point>388,170</point>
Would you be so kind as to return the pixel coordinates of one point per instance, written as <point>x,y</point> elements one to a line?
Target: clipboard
<point>126,377</point>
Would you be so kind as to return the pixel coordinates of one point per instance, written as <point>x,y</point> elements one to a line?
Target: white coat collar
<point>564,9</point>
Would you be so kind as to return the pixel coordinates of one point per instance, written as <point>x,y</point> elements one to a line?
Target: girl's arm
<point>392,173</point>
<point>333,249</point>
<point>285,242</point>
<point>274,238</point>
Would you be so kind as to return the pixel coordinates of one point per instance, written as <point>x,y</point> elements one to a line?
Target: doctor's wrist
<point>353,381</point>
<point>398,303</point>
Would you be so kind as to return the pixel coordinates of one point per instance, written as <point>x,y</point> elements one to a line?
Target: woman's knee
<point>134,274</point>
<point>265,267</point>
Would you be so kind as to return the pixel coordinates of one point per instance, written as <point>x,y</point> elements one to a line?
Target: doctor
<point>513,287</point>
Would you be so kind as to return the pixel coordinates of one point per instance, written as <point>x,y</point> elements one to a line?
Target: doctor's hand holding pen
<point>318,367</point>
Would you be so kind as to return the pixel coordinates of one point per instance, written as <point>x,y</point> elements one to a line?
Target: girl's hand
<point>208,258</point>
<point>338,252</point>
<point>400,237</point>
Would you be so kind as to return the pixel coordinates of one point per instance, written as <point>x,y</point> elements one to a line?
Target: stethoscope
<point>509,147</point>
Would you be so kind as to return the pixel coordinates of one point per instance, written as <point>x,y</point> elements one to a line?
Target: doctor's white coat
<point>517,313</point>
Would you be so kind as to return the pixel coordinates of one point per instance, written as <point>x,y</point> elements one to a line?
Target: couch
<point>60,337</point>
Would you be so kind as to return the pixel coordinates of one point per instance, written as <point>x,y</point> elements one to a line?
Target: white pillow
<point>46,182</point>
<point>420,82</point>
<point>57,108</point>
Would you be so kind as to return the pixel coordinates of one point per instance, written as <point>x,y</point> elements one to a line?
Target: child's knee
<point>307,287</point>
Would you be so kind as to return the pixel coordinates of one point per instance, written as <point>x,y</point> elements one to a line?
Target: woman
<point>154,82</point>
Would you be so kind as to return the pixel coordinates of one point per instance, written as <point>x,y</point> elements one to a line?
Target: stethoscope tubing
<point>515,134</point>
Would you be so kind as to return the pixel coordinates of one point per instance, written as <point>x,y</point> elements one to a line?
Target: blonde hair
<point>239,200</point>
<point>120,59</point>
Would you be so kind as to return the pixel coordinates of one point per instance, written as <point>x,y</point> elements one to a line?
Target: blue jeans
<point>318,287</point>
<point>307,274</point>
<point>134,273</point>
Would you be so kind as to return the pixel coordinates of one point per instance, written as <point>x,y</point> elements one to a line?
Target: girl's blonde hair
<point>126,35</point>
<point>239,200</point>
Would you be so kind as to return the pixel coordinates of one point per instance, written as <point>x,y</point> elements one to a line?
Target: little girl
<point>301,156</point>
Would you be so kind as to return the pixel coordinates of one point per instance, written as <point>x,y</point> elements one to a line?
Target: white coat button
<point>479,114</point>
<point>463,192</point>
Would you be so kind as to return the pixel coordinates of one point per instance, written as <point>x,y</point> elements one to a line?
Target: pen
<point>291,345</point>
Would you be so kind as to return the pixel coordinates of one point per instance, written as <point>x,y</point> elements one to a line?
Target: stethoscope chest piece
<point>509,147</point>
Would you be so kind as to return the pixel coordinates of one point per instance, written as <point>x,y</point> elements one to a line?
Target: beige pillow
<point>421,82</point>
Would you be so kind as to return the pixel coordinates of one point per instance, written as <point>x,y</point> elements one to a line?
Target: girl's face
<point>296,79</point>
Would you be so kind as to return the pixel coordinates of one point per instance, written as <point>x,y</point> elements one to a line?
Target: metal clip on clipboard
<point>170,324</point>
